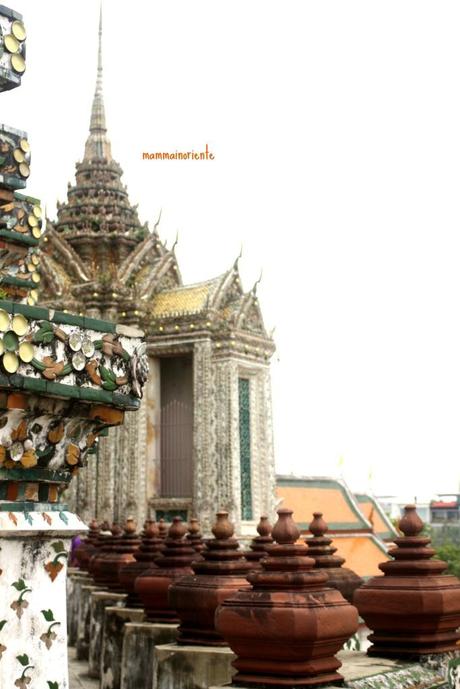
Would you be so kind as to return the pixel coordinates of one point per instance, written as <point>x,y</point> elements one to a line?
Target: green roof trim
<point>324,483</point>
<point>27,507</point>
<point>35,474</point>
<point>40,313</point>
<point>83,394</point>
<point>391,532</point>
<point>19,238</point>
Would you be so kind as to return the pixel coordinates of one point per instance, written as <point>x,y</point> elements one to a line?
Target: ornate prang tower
<point>202,439</point>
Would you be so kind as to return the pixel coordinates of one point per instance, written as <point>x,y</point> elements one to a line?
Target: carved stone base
<point>99,601</point>
<point>191,667</point>
<point>139,642</point>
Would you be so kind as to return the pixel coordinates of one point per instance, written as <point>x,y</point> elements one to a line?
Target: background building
<point>203,437</point>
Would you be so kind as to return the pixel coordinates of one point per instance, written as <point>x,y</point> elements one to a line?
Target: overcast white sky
<point>336,131</point>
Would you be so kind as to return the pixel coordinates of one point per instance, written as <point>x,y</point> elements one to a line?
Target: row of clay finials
<point>287,605</point>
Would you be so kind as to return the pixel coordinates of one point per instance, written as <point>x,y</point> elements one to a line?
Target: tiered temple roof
<point>358,539</point>
<point>100,260</point>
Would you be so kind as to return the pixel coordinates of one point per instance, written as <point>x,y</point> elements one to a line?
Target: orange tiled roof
<point>306,495</point>
<point>362,552</point>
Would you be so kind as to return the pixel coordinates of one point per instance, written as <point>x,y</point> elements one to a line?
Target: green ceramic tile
<point>35,384</point>
<point>96,324</point>
<point>4,381</point>
<point>7,305</point>
<point>3,490</point>
<point>34,474</point>
<point>33,312</point>
<point>125,401</point>
<point>19,238</point>
<point>8,280</point>
<point>16,381</point>
<point>68,319</point>
<point>62,390</point>
<point>93,395</point>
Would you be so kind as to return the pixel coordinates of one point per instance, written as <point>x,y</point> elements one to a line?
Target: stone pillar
<point>153,421</point>
<point>226,451</point>
<point>33,564</point>
<point>64,379</point>
<point>205,493</point>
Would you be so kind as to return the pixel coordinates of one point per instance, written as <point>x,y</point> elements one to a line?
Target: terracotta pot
<point>88,546</point>
<point>221,572</point>
<point>287,629</point>
<point>152,585</point>
<point>414,608</point>
<point>144,558</point>
<point>323,553</point>
<point>258,545</point>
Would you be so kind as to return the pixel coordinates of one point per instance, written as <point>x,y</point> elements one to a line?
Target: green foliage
<point>450,553</point>
<point>447,534</point>
<point>23,659</point>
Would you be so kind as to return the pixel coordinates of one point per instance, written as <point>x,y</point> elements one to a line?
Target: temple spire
<point>97,144</point>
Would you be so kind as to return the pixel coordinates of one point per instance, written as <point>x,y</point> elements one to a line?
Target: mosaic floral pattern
<point>55,352</point>
<point>49,636</point>
<point>55,566</point>
<point>24,680</point>
<point>20,604</point>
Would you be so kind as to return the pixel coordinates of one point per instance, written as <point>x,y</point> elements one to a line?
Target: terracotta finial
<point>151,529</point>
<point>93,525</point>
<point>410,523</point>
<point>287,594</point>
<point>116,529</point>
<point>163,528</point>
<point>414,609</point>
<point>220,570</point>
<point>318,526</point>
<point>145,556</point>
<point>177,530</point>
<point>130,526</point>
<point>285,530</point>
<point>222,528</point>
<point>322,551</point>
<point>105,526</point>
<point>193,526</point>
<point>264,528</point>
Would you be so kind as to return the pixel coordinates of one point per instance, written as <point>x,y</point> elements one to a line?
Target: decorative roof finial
<point>237,260</point>
<point>97,144</point>
<point>155,227</point>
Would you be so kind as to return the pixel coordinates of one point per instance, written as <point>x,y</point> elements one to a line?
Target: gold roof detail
<point>181,301</point>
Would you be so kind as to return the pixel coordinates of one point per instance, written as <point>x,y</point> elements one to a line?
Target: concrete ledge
<point>361,671</point>
<point>115,619</point>
<point>192,667</point>
<point>84,620</point>
<point>139,641</point>
<point>75,580</point>
<point>99,601</point>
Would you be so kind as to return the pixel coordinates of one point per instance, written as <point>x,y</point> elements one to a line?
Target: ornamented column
<point>63,380</point>
<point>204,493</point>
